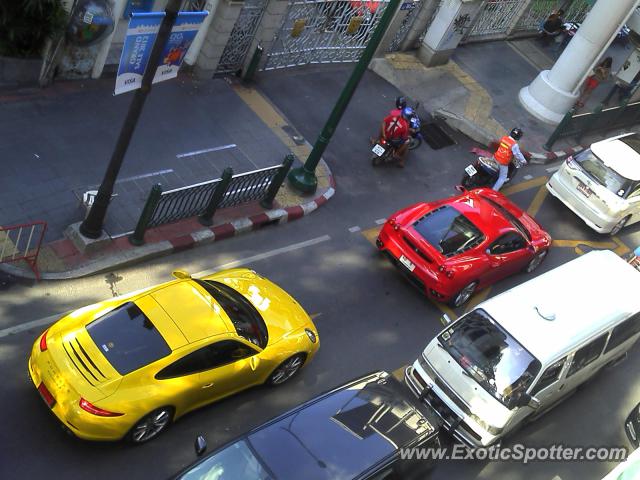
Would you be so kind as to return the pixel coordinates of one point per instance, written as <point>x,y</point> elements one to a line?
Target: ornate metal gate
<point>498,16</point>
<point>408,22</point>
<point>324,31</point>
<point>241,36</point>
<point>539,10</point>
<point>495,18</point>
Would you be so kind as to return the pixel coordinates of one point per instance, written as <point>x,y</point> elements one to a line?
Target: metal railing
<point>600,120</point>
<point>22,242</point>
<point>203,199</point>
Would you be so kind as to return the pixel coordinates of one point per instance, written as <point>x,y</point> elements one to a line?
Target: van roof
<point>583,296</point>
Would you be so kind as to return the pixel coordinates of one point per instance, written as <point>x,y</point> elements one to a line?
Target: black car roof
<point>342,433</point>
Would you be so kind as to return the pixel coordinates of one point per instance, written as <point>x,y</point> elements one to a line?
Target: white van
<point>519,353</point>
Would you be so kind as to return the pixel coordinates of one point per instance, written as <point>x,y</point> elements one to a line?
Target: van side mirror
<point>200,445</point>
<point>445,319</point>
<point>523,399</point>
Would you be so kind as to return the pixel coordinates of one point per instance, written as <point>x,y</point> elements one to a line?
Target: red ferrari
<point>450,248</point>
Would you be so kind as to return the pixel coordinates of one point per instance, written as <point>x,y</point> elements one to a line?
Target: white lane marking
<point>380,221</point>
<point>265,255</point>
<point>145,175</point>
<point>527,177</point>
<point>272,253</point>
<point>28,325</point>
<point>206,150</point>
<point>553,169</point>
<point>354,229</point>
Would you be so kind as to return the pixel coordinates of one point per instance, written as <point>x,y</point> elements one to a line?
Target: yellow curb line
<point>521,187</point>
<point>536,203</point>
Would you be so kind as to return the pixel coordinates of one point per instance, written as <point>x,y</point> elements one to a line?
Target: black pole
<point>91,227</point>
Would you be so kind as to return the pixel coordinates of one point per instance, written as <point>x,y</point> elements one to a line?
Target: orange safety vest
<point>504,154</point>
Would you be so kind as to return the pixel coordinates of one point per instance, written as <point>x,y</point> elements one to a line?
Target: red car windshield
<point>448,230</point>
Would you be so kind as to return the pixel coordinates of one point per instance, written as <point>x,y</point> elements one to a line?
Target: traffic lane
<point>591,417</point>
<point>359,333</point>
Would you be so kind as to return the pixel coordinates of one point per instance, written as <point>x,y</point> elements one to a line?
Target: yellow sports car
<point>129,366</point>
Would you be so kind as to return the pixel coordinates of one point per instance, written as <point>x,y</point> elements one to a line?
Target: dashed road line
<point>264,255</point>
<point>206,150</point>
<point>381,221</point>
<point>236,263</point>
<point>354,229</point>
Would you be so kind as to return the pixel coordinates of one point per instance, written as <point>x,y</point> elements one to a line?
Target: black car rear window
<point>127,338</point>
<point>448,230</point>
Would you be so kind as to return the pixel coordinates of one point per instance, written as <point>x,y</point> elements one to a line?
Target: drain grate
<point>435,136</point>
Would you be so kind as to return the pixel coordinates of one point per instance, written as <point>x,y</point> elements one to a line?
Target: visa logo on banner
<point>141,34</point>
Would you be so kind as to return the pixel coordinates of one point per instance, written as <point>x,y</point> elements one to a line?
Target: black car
<point>352,432</point>
<point>632,426</point>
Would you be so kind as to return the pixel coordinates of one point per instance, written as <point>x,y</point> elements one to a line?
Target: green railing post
<point>593,117</point>
<point>566,120</point>
<point>253,65</point>
<point>304,179</point>
<point>206,218</point>
<point>276,183</point>
<point>137,237</point>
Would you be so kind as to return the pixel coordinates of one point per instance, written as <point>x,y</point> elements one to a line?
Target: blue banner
<point>141,34</point>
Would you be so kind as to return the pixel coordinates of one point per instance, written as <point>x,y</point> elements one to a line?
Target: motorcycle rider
<point>507,149</point>
<point>395,130</point>
<point>401,104</point>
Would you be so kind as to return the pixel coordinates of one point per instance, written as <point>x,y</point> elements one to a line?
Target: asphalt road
<point>368,316</point>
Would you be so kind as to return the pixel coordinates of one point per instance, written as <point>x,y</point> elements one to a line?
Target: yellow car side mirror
<point>180,274</point>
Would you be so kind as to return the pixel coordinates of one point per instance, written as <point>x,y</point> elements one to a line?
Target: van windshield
<point>490,356</point>
<point>605,176</point>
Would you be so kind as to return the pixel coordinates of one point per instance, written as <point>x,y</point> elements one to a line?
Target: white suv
<point>602,183</point>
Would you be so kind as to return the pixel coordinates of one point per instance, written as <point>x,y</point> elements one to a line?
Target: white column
<point>453,20</point>
<point>194,50</point>
<point>101,57</point>
<point>554,91</point>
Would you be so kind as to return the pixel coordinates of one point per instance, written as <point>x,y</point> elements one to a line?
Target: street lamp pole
<point>304,178</point>
<point>91,227</point>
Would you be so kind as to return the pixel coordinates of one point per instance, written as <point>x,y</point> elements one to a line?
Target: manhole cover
<point>435,136</point>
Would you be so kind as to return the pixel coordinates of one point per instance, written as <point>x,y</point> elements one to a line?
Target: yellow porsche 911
<point>127,367</point>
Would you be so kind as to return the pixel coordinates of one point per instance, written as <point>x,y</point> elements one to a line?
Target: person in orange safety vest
<point>507,148</point>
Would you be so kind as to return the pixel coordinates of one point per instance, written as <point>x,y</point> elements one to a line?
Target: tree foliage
<point>25,25</point>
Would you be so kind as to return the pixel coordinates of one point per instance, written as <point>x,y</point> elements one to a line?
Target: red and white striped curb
<point>542,158</point>
<point>248,224</point>
<point>151,250</point>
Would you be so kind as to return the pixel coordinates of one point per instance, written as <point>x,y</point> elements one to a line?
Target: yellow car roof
<point>194,312</point>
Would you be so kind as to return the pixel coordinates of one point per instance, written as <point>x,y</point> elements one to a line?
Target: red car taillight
<point>46,395</point>
<point>394,224</point>
<point>92,409</point>
<point>448,273</point>
<point>43,341</point>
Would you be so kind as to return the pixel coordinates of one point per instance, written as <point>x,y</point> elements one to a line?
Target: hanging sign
<point>141,35</point>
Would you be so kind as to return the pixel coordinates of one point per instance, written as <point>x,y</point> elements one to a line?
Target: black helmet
<point>516,134</point>
<point>401,103</point>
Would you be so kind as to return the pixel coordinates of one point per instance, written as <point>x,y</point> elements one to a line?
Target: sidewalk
<point>478,95</point>
<point>189,132</point>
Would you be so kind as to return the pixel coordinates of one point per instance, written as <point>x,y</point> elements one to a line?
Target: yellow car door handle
<point>208,385</point>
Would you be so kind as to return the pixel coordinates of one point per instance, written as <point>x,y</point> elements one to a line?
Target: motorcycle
<point>485,170</point>
<point>415,123</point>
<point>383,152</point>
